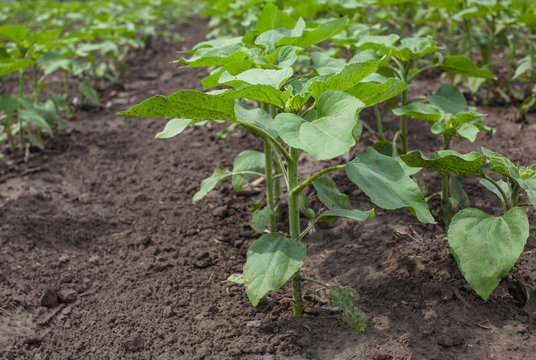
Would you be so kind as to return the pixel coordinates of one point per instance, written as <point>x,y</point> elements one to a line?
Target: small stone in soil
<point>220,211</point>
<point>67,296</point>
<point>49,298</point>
<point>134,344</point>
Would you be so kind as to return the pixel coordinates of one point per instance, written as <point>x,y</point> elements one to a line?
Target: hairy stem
<point>269,182</point>
<point>294,225</point>
<point>21,93</point>
<point>506,200</point>
<point>379,122</point>
<point>300,187</point>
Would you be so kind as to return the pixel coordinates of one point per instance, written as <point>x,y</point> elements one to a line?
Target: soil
<point>104,255</point>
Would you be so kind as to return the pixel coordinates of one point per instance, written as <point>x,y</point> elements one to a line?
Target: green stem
<point>432,196</point>
<point>403,118</point>
<point>294,225</point>
<point>66,85</point>
<point>21,93</point>
<point>379,122</point>
<point>269,182</point>
<point>300,187</point>
<point>507,202</point>
<point>35,84</point>
<point>316,282</point>
<point>265,135</point>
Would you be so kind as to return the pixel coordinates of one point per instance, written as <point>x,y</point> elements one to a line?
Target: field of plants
<point>255,179</point>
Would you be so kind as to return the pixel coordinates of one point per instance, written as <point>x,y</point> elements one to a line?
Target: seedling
<point>314,115</point>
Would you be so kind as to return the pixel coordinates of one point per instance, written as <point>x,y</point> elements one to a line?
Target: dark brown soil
<point>104,256</point>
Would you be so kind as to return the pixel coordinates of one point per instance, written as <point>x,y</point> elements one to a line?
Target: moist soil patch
<point>104,256</point>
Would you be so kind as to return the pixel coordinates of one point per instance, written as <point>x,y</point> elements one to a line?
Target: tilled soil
<point>104,256</point>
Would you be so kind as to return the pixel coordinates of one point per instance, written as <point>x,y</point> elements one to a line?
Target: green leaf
<point>376,42</point>
<point>449,99</point>
<point>323,31</point>
<point>8,106</point>
<point>425,112</point>
<point>260,219</point>
<point>272,38</point>
<point>329,195</point>
<point>303,205</point>
<point>248,160</point>
<point>211,182</point>
<point>458,197</point>
<point>269,77</point>
<point>345,79</point>
<point>236,278</point>
<point>347,299</point>
<point>375,93</point>
<point>528,185</point>
<point>14,66</point>
<point>325,64</point>
<point>53,61</point>
<point>272,260</point>
<point>216,56</point>
<point>173,128</point>
<point>15,33</point>
<point>386,183</point>
<point>463,66</point>
<point>234,68</point>
<point>257,117</point>
<point>36,119</point>
<point>504,186</point>
<point>353,214</point>
<point>273,18</point>
<point>89,92</point>
<point>330,134</point>
<point>487,247</point>
<point>411,49</point>
<point>497,162</point>
<point>448,161</point>
<point>42,37</point>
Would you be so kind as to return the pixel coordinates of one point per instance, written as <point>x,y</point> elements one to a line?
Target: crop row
<point>298,76</point>
<point>72,43</point>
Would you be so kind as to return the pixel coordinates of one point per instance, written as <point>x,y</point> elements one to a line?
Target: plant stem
<point>294,224</point>
<point>403,118</point>
<point>379,122</point>
<point>269,182</point>
<point>300,187</point>
<point>265,135</point>
<point>507,202</point>
<point>21,93</point>
<point>278,171</point>
<point>66,85</point>
<point>316,282</point>
<point>35,84</point>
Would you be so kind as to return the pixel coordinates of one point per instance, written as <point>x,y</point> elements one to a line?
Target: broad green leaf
<point>36,119</point>
<point>89,92</point>
<point>353,214</point>
<point>376,42</point>
<point>463,66</point>
<point>487,247</point>
<point>53,61</point>
<point>345,79</point>
<point>234,68</point>
<point>449,99</point>
<point>347,299</point>
<point>248,160</point>
<point>173,128</point>
<point>260,219</point>
<point>497,162</point>
<point>325,64</point>
<point>425,112</point>
<point>272,260</point>
<point>8,105</point>
<point>528,185</point>
<point>15,33</point>
<point>457,196</point>
<point>374,93</point>
<point>386,183</point>
<point>328,193</point>
<point>276,37</point>
<point>257,117</point>
<point>411,49</point>
<point>493,189</point>
<point>42,37</point>
<point>323,31</point>
<point>14,66</point>
<point>216,56</point>
<point>269,77</point>
<point>273,18</point>
<point>211,182</point>
<point>330,134</point>
<point>448,161</point>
